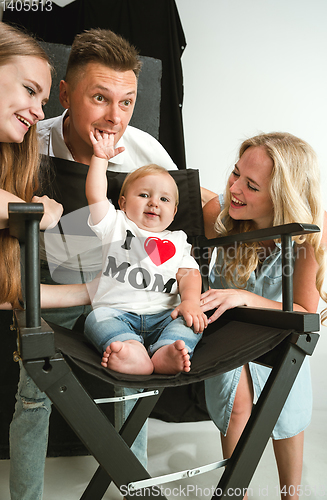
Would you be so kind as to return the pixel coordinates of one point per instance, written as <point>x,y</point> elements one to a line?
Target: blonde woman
<point>275,181</point>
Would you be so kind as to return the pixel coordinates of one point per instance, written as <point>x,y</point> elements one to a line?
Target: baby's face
<point>150,202</point>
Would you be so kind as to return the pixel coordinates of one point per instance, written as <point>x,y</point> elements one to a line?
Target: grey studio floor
<point>177,447</point>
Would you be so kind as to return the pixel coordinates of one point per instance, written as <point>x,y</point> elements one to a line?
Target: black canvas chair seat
<point>214,354</point>
<point>280,339</point>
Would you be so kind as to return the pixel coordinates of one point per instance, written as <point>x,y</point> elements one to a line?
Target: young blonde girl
<point>275,181</point>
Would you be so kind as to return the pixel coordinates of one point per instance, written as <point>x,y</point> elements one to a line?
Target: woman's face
<point>249,188</point>
<point>25,84</point>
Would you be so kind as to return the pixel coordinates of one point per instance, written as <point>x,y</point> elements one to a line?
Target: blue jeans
<point>28,440</point>
<point>29,427</point>
<point>105,325</point>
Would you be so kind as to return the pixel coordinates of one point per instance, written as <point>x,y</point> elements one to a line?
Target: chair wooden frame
<point>53,373</point>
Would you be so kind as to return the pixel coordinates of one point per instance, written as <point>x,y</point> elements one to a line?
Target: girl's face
<point>249,188</point>
<point>25,83</point>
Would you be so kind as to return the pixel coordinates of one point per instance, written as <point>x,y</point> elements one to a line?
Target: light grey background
<point>254,66</point>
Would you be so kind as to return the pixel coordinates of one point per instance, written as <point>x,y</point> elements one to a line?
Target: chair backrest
<point>67,177</point>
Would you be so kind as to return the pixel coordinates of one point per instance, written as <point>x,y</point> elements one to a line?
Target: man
<point>99,93</point>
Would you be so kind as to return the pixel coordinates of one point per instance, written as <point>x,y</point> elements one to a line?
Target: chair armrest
<point>283,232</point>
<point>33,343</point>
<point>275,232</point>
<point>22,214</point>
<point>300,322</point>
<point>24,224</point>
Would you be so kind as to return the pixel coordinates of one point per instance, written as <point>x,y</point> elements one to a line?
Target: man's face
<point>100,98</point>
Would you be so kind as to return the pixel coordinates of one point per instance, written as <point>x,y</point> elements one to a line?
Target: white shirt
<point>140,149</point>
<point>139,267</point>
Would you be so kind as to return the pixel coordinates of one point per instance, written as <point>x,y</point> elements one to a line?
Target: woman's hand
<point>52,211</point>
<point>223,299</point>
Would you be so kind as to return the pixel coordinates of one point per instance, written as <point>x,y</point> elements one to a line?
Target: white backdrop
<point>254,66</point>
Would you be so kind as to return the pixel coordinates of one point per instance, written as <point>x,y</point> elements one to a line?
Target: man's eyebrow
<point>248,178</point>
<point>107,89</point>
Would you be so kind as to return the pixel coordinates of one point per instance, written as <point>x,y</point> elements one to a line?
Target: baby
<point>138,321</point>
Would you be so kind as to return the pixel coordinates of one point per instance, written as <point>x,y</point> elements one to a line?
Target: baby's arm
<point>96,180</point>
<point>189,282</point>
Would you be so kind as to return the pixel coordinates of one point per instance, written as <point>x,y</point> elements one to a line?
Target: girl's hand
<point>221,300</point>
<point>52,211</point>
<point>103,145</point>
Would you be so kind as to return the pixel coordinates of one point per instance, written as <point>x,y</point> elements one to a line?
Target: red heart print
<point>159,250</point>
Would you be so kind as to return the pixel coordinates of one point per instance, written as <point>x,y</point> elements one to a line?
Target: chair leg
<point>76,406</point>
<point>98,485</point>
<point>100,481</point>
<point>240,468</point>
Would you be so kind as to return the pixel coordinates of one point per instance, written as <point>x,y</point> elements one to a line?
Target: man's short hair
<point>104,47</point>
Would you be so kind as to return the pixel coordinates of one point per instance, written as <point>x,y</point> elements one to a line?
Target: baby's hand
<point>192,314</point>
<point>103,145</point>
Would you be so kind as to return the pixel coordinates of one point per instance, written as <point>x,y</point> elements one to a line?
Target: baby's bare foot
<point>129,356</point>
<point>172,358</point>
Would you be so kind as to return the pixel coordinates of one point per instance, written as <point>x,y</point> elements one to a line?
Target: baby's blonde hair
<point>151,169</point>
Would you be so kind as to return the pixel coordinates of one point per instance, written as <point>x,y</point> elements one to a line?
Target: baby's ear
<point>122,203</point>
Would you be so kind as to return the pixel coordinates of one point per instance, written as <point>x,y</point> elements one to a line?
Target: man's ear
<point>122,203</point>
<point>64,94</point>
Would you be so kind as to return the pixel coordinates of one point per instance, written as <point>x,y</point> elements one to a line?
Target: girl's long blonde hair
<point>296,195</point>
<point>19,165</point>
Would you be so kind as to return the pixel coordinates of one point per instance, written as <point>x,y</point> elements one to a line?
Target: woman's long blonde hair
<point>296,195</point>
<point>19,165</point>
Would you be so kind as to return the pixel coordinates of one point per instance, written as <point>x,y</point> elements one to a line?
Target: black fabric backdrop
<point>152,26</point>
